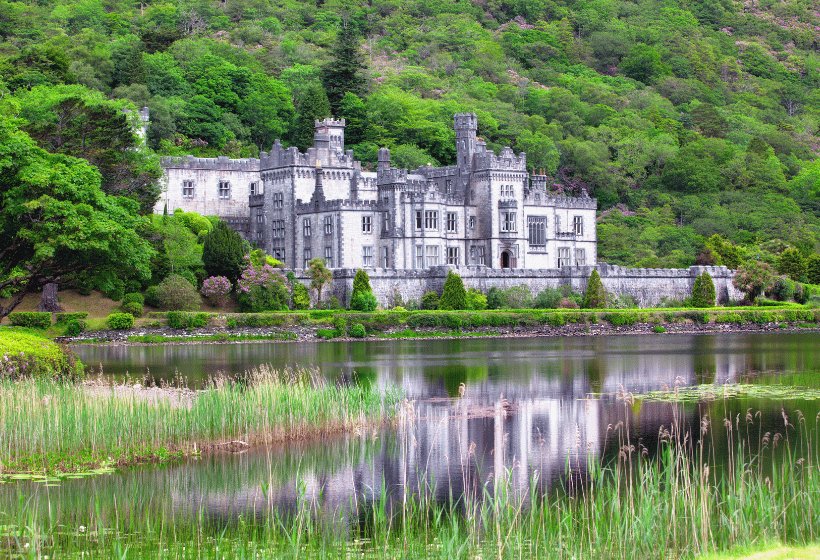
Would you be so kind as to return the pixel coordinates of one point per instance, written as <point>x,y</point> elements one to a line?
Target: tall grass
<point>677,501</point>
<point>48,425</point>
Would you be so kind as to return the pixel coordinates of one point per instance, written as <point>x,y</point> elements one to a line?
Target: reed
<point>678,501</point>
<point>48,425</point>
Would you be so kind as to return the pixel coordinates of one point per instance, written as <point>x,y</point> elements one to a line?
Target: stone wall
<point>649,286</point>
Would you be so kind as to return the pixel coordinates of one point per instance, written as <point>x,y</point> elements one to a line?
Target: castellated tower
<point>330,133</point>
<point>466,126</point>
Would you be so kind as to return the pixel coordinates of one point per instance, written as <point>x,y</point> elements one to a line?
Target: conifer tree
<point>223,252</point>
<point>311,106</point>
<point>703,292</point>
<point>344,72</point>
<point>454,296</point>
<point>595,295</point>
<point>362,298</point>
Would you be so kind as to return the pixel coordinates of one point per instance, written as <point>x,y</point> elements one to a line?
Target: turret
<point>466,127</point>
<point>330,133</point>
<point>384,159</point>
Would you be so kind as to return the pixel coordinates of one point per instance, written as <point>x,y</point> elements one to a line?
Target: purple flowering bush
<point>261,288</point>
<point>216,290</point>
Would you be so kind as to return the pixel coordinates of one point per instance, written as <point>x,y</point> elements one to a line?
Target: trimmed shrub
<point>476,300</point>
<point>25,354</point>
<point>430,300</point>
<point>75,327</point>
<point>357,330</point>
<point>621,319</point>
<point>301,296</point>
<point>703,291</point>
<point>64,318</point>
<point>183,320</point>
<point>223,252</point>
<point>361,283</point>
<point>175,293</point>
<point>363,301</point>
<point>120,321</point>
<point>453,296</point>
<point>133,307</point>
<point>31,319</point>
<point>133,297</point>
<point>595,295</point>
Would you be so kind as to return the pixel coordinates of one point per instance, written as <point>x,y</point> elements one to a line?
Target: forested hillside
<point>685,118</point>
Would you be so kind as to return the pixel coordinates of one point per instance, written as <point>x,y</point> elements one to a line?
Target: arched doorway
<point>505,259</point>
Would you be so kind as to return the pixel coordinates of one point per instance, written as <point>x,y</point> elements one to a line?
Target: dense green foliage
<point>453,296</point>
<point>703,291</point>
<point>24,354</point>
<point>57,224</point>
<point>695,118</point>
<point>120,321</point>
<point>595,295</point>
<point>320,276</point>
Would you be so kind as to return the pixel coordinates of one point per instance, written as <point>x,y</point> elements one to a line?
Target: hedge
<point>26,354</point>
<point>187,320</point>
<point>63,318</point>
<point>31,319</point>
<point>120,321</point>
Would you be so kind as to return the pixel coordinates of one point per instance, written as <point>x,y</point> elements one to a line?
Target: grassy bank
<point>47,426</point>
<point>677,501</point>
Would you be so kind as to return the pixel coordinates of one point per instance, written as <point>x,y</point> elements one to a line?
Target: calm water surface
<point>481,407</point>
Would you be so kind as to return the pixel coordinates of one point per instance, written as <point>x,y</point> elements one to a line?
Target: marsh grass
<point>49,426</point>
<point>718,391</point>
<point>676,501</point>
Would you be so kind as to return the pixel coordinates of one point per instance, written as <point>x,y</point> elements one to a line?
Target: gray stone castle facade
<point>484,211</point>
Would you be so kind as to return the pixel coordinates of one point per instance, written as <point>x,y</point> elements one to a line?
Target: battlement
<point>335,205</point>
<point>392,175</point>
<point>221,163</point>
<point>506,160</point>
<point>330,122</point>
<point>584,202</point>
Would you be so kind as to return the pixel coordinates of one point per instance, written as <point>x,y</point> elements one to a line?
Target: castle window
<point>385,257</point>
<point>452,256</point>
<point>578,225</point>
<point>430,219</point>
<point>451,222</point>
<point>367,224</point>
<point>278,227</point>
<point>507,191</point>
<point>448,186</point>
<point>224,190</point>
<point>471,222</point>
<point>367,255</point>
<point>279,253</point>
<point>386,221</point>
<point>557,224</point>
<point>419,256</point>
<point>328,225</point>
<point>306,257</point>
<point>580,257</point>
<point>563,257</point>
<point>508,221</point>
<point>329,257</point>
<point>254,189</point>
<point>418,219</point>
<point>431,255</point>
<point>306,227</point>
<point>537,229</point>
<point>477,254</point>
<point>278,201</point>
<point>187,189</point>
<point>260,218</point>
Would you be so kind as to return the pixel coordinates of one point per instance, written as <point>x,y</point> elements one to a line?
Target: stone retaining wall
<point>649,286</point>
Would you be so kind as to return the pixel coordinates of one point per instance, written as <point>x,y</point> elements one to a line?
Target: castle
<point>484,211</point>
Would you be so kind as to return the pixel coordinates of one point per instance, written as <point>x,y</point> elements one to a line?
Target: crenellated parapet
<point>221,163</point>
<point>584,202</point>
<point>336,205</point>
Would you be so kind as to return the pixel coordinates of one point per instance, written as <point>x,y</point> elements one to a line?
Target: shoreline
<point>266,335</point>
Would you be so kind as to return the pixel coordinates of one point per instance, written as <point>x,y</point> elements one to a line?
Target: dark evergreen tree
<point>454,296</point>
<point>223,252</point>
<point>362,298</point>
<point>792,263</point>
<point>703,291</point>
<point>595,295</point>
<point>813,269</point>
<point>311,106</point>
<point>344,72</point>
